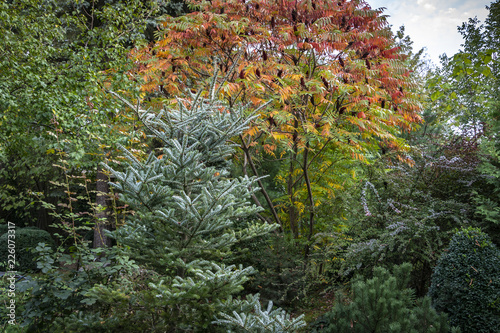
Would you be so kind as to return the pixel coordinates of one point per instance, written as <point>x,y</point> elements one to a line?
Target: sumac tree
<point>337,81</point>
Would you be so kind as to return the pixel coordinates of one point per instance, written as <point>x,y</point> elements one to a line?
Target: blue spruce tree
<point>185,203</point>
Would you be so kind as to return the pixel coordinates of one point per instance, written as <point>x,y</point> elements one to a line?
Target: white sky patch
<point>432,23</point>
<point>426,4</point>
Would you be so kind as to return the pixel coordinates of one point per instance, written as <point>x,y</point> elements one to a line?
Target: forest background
<point>301,138</point>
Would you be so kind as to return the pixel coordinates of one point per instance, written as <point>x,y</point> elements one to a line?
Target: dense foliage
<point>466,93</point>
<point>55,59</point>
<point>466,282</point>
<point>137,136</point>
<point>408,212</point>
<point>53,300</point>
<point>185,203</point>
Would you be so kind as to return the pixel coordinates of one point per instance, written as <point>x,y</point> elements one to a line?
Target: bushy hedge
<point>466,282</point>
<point>26,240</point>
<point>382,305</point>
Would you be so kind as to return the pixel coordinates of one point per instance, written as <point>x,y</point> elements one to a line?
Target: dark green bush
<point>466,282</point>
<point>26,240</point>
<point>280,275</point>
<point>3,229</point>
<point>381,305</point>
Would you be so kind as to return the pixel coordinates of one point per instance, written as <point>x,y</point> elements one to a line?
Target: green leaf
<point>436,95</point>
<point>486,71</point>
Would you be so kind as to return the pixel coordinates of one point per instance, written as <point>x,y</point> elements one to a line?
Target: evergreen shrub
<point>26,240</point>
<point>466,282</point>
<point>383,304</point>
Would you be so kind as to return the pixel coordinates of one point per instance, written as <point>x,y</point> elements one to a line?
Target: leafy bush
<point>6,297</point>
<point>63,289</point>
<point>466,282</point>
<point>26,240</point>
<point>408,213</point>
<point>383,304</point>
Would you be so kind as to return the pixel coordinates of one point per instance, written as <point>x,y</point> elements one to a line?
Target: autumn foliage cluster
<point>336,81</point>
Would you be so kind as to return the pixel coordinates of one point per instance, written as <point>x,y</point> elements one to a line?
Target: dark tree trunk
<point>293,213</point>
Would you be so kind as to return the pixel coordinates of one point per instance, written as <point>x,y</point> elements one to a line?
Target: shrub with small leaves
<point>466,282</point>
<point>63,289</point>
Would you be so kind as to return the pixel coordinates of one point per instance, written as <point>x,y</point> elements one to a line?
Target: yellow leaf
<point>252,131</point>
<point>278,136</point>
<point>326,130</point>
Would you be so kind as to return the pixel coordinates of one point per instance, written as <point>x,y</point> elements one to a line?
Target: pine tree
<point>185,203</point>
<point>384,304</point>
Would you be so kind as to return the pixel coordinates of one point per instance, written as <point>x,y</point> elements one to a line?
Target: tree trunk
<point>293,214</point>
<point>102,203</point>
<point>246,150</point>
<point>311,201</point>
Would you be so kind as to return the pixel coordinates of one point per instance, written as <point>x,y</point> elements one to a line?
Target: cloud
<point>432,24</point>
<point>426,4</point>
